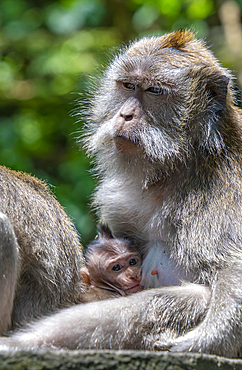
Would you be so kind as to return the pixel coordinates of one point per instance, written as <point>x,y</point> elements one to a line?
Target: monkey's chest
<point>159,269</point>
<point>129,211</point>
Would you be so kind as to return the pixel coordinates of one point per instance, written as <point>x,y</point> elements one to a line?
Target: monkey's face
<point>140,119</point>
<point>159,101</point>
<point>124,272</point>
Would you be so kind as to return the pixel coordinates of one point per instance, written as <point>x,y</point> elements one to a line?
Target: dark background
<point>49,50</point>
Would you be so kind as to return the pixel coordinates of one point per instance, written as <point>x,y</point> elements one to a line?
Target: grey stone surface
<point>113,360</point>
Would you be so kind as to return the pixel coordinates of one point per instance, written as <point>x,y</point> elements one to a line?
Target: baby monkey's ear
<point>84,275</point>
<point>104,231</point>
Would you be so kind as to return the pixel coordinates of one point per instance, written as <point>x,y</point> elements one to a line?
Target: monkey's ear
<point>84,275</point>
<point>104,231</point>
<point>210,137</point>
<point>217,88</point>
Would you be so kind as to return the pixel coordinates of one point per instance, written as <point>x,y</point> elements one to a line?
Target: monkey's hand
<point>186,343</point>
<point>163,345</point>
<point>197,340</point>
<point>220,332</point>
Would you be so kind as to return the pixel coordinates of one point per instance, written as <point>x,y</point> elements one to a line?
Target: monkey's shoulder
<point>21,189</point>
<point>19,177</point>
<point>29,204</point>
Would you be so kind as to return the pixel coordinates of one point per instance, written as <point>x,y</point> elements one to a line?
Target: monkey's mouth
<point>127,144</point>
<point>134,289</point>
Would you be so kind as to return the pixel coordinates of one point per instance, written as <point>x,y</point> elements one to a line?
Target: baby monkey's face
<point>124,271</point>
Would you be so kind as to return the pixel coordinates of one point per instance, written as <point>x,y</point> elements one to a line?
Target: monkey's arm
<point>135,321</point>
<point>221,329</point>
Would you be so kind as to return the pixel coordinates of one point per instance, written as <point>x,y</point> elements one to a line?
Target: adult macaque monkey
<point>40,252</point>
<point>112,267</point>
<point>167,141</point>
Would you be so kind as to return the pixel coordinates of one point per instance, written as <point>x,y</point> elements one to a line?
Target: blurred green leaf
<point>145,16</point>
<point>199,9</point>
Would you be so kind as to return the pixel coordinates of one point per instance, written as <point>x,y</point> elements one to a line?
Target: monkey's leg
<point>8,271</point>
<point>221,331</point>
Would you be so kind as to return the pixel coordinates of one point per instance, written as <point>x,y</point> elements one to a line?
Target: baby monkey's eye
<point>129,86</point>
<point>116,267</point>
<point>156,90</point>
<point>133,262</point>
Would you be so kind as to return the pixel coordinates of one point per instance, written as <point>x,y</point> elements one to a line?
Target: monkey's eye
<point>156,90</point>
<point>116,267</point>
<point>133,262</point>
<point>129,86</point>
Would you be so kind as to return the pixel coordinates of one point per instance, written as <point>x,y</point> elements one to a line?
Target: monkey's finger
<point>154,271</point>
<point>162,346</point>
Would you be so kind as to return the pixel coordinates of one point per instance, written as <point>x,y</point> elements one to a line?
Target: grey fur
<point>40,251</point>
<point>170,170</point>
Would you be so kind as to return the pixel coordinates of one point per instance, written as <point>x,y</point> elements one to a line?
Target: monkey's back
<point>49,248</point>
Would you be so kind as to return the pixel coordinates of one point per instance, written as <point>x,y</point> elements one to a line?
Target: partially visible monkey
<point>112,267</point>
<point>40,251</point>
<point>167,139</point>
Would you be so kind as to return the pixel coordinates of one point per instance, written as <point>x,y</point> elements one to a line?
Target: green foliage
<point>48,50</point>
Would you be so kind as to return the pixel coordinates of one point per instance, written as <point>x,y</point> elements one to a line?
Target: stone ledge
<point>113,360</point>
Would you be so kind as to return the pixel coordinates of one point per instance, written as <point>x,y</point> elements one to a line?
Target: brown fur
<point>101,255</point>
<point>50,253</point>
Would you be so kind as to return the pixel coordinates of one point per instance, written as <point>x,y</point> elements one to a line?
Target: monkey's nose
<point>136,277</point>
<point>127,117</point>
<point>129,110</point>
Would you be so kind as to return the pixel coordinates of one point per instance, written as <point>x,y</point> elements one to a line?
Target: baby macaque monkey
<point>113,267</point>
